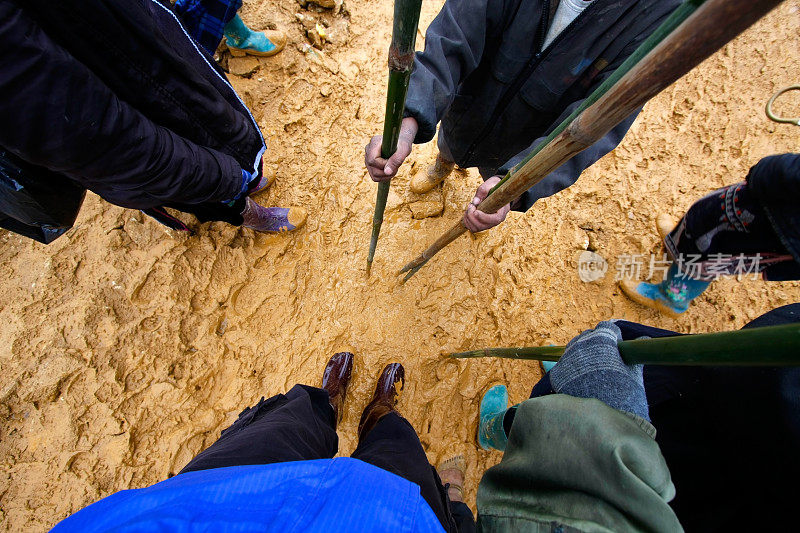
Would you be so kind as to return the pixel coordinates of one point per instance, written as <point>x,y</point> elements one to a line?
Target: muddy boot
<point>327,4</point>
<point>548,365</point>
<point>263,184</point>
<point>491,434</point>
<point>422,183</point>
<point>272,219</point>
<point>664,225</point>
<point>385,398</point>
<point>335,380</point>
<point>452,472</point>
<point>672,296</point>
<point>242,40</point>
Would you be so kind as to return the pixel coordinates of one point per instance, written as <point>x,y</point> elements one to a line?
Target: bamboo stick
<point>401,62</point>
<point>766,346</point>
<point>700,35</point>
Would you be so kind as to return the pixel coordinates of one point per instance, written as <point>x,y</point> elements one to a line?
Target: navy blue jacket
<point>484,75</point>
<point>114,95</point>
<point>775,181</point>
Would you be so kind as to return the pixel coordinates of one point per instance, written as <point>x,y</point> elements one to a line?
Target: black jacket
<point>498,95</point>
<point>775,181</point>
<point>114,95</point>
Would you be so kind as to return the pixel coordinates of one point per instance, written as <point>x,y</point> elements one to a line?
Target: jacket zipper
<point>523,76</point>
<point>263,148</point>
<point>544,24</point>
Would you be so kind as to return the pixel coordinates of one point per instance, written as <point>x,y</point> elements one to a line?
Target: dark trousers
<point>300,426</point>
<point>730,222</point>
<point>730,436</point>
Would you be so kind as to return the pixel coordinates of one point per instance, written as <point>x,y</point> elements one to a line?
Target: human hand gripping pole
<point>476,220</point>
<point>592,367</point>
<point>688,36</point>
<point>381,169</point>
<point>401,62</point>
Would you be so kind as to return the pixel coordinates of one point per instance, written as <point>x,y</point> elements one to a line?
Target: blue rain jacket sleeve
<point>325,495</point>
<point>58,114</point>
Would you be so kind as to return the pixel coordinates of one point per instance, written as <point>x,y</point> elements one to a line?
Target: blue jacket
<point>326,495</point>
<point>484,75</point>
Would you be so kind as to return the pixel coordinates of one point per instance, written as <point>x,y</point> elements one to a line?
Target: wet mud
<point>125,347</point>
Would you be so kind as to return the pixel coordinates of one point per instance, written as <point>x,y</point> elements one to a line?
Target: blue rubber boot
<point>548,365</point>
<point>672,296</point>
<point>242,40</point>
<point>494,404</point>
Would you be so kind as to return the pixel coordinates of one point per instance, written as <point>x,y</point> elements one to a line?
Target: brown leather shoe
<point>335,380</point>
<point>385,397</point>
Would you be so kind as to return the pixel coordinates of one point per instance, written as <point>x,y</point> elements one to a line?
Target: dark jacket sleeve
<point>775,181</point>
<point>454,44</point>
<point>57,114</point>
<point>568,173</point>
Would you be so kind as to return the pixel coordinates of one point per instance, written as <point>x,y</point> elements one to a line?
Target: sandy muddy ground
<point>125,348</point>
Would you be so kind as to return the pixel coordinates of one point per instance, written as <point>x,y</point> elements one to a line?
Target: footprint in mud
<point>153,287</point>
<point>247,299</point>
<point>150,324</point>
<point>191,326</point>
<point>203,304</point>
<point>50,379</point>
<point>230,268</point>
<point>186,451</point>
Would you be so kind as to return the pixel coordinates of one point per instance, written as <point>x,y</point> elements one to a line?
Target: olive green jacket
<point>575,464</point>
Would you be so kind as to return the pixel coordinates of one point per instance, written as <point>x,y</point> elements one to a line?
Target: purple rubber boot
<point>272,219</point>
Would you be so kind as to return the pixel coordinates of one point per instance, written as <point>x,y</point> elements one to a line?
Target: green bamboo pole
<point>401,62</point>
<point>686,38</point>
<point>767,346</point>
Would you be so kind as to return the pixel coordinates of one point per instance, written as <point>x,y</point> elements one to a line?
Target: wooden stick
<point>767,346</point>
<point>401,62</point>
<point>709,28</point>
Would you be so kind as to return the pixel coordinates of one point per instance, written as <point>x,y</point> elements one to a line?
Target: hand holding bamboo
<point>401,62</point>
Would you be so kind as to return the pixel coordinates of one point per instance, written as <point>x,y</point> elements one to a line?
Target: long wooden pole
<point>705,31</point>
<point>767,346</point>
<point>401,62</point>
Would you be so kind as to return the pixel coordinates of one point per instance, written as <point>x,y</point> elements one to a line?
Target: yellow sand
<point>125,347</point>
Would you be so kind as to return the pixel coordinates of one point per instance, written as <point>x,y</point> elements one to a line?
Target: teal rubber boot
<point>494,404</point>
<point>242,40</point>
<point>672,296</point>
